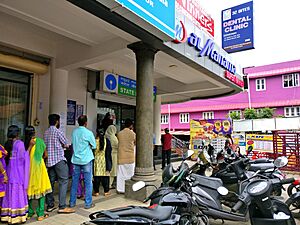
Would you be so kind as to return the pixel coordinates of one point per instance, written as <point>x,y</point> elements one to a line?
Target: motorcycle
<point>294,187</point>
<point>175,208</point>
<point>293,202</point>
<point>255,198</point>
<point>222,168</point>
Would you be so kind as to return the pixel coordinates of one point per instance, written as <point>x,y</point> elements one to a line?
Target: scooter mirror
<point>187,154</point>
<point>138,186</point>
<point>222,190</point>
<point>281,162</point>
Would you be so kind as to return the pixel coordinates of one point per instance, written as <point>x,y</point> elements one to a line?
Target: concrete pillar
<point>144,120</point>
<point>157,120</point>
<point>144,111</point>
<point>59,95</point>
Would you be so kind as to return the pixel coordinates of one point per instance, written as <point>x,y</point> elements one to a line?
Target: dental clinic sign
<point>159,13</point>
<point>237,28</point>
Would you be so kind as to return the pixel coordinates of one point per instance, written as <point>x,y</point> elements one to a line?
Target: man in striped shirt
<point>56,163</point>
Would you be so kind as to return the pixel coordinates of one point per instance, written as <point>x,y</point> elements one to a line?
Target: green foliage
<point>235,115</point>
<point>265,113</point>
<point>250,114</point>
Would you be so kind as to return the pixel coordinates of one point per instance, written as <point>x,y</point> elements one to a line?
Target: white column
<point>59,95</point>
<point>157,119</point>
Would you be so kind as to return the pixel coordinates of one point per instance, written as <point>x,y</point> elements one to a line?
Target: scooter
<point>255,199</point>
<point>175,208</point>
<point>225,171</point>
<point>293,201</point>
<point>294,187</point>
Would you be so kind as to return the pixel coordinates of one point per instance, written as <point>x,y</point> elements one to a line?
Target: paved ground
<point>102,203</point>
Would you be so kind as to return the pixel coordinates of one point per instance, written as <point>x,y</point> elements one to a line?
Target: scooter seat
<point>261,166</point>
<point>159,213</point>
<point>210,182</point>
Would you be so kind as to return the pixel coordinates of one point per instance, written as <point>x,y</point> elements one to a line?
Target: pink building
<point>275,86</point>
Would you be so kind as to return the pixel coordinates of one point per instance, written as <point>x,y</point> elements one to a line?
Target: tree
<point>235,115</point>
<point>265,113</point>
<point>250,114</point>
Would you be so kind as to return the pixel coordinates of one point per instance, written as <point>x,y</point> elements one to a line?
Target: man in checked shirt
<point>56,163</point>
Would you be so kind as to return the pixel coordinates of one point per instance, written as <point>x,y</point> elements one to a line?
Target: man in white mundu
<point>126,155</point>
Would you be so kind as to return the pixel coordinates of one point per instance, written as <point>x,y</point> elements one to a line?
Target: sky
<point>276,30</point>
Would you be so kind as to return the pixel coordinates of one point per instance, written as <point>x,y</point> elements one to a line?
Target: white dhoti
<point>125,172</point>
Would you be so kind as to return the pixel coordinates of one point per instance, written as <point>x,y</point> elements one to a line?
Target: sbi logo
<point>110,82</point>
<point>180,33</point>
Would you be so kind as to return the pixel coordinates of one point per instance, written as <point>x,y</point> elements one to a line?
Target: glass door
<point>14,100</point>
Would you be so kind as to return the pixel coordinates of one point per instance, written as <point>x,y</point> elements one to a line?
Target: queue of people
<point>30,168</point>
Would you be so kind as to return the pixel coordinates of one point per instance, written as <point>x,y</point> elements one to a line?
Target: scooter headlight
<point>257,187</point>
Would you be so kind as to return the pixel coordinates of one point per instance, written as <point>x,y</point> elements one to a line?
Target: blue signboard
<point>237,28</point>
<point>159,13</point>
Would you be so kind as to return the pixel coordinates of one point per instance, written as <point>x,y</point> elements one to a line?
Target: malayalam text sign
<point>237,28</point>
<point>159,13</point>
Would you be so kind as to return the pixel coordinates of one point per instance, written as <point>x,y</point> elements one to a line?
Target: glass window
<point>14,100</point>
<point>290,80</point>
<point>164,119</point>
<point>184,117</point>
<point>292,111</point>
<point>261,84</point>
<point>208,115</point>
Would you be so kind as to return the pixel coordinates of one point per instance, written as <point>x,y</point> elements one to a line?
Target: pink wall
<point>176,125</point>
<point>274,91</point>
<point>275,96</point>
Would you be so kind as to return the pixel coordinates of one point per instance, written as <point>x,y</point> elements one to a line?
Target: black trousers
<point>104,180</point>
<point>164,154</point>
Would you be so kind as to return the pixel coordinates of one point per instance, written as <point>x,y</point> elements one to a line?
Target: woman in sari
<point>39,183</point>
<point>3,175</point>
<point>110,134</point>
<point>15,203</point>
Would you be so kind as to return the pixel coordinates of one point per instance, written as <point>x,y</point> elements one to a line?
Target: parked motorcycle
<point>293,201</point>
<point>294,187</point>
<point>222,165</point>
<point>255,196</point>
<point>176,208</point>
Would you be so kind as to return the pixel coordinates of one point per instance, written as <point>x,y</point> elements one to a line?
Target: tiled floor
<point>113,201</point>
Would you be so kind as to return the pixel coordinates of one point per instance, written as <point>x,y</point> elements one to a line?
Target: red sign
<point>234,79</point>
<point>199,16</point>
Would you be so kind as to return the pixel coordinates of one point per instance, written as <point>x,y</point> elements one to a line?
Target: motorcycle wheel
<point>294,206</point>
<point>293,189</point>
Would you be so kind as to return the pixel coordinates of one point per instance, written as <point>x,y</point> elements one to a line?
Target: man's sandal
<point>41,218</point>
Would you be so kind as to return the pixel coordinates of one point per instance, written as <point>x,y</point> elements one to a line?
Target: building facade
<point>275,86</point>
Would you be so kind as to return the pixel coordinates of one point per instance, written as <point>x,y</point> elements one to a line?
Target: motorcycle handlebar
<point>287,181</point>
<point>237,206</point>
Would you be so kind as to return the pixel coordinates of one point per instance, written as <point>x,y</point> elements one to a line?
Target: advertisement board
<point>193,10</point>
<point>71,112</point>
<point>237,28</point>
<point>260,142</point>
<point>212,131</point>
<point>159,13</point>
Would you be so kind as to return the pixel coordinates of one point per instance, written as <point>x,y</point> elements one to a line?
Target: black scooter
<point>176,208</point>
<point>226,171</point>
<point>208,191</point>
